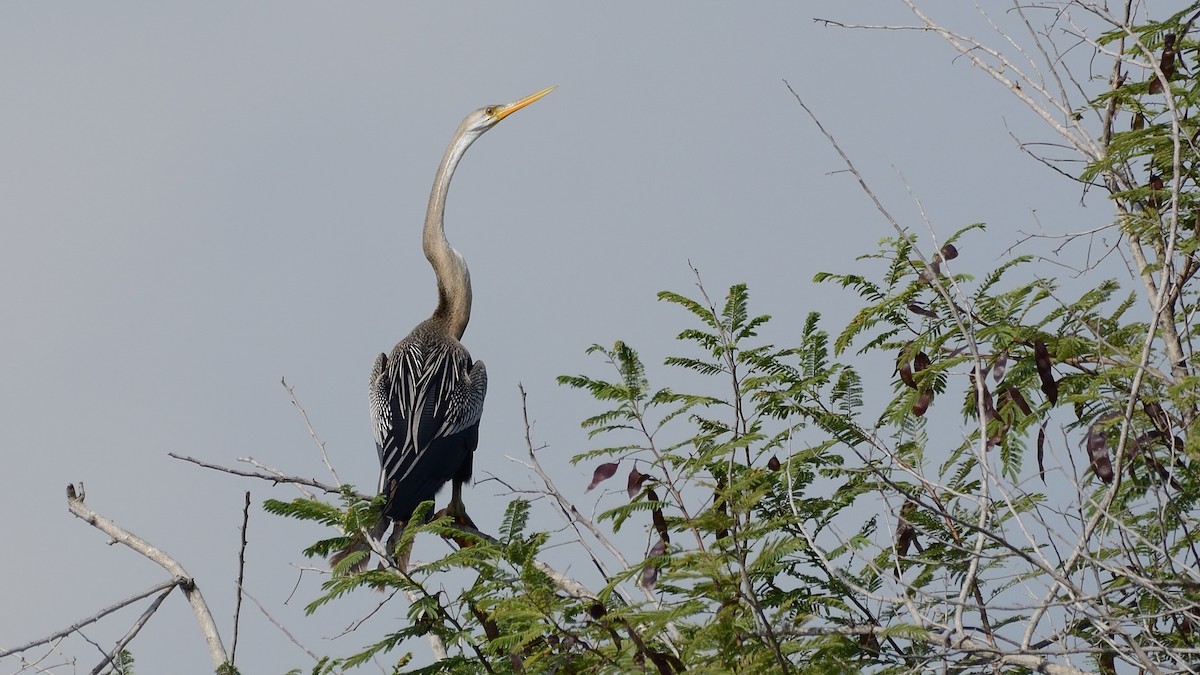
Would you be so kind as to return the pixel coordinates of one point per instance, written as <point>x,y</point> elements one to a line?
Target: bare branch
<point>186,583</point>
<point>958,642</point>
<point>162,586</point>
<point>283,630</point>
<point>237,605</point>
<point>274,478</point>
<point>133,631</point>
<point>311,431</point>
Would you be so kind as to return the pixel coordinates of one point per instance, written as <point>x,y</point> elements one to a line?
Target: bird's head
<point>489,116</point>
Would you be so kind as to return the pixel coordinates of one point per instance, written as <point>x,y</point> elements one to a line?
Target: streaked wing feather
<point>381,404</point>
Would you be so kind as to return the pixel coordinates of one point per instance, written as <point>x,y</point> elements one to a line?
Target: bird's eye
<point>490,110</point>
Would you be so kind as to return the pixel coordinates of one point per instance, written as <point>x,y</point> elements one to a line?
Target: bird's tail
<point>358,543</point>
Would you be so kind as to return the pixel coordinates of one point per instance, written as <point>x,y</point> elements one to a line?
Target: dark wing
<point>381,406</point>
<point>426,401</point>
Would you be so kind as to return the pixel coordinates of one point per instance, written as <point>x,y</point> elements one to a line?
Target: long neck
<point>453,279</point>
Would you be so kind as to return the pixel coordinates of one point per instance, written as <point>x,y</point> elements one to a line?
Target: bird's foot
<point>458,513</point>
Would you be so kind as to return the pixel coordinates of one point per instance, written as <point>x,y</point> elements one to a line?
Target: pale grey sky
<point>196,201</point>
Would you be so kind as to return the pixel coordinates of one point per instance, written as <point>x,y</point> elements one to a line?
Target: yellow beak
<point>506,110</point>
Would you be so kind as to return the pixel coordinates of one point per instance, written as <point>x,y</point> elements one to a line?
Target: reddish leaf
<point>636,478</point>
<point>1000,366</point>
<point>1097,449</point>
<point>660,524</point>
<point>1015,396</point>
<point>650,577</point>
<point>989,407</point>
<point>601,474</point>
<point>1162,471</point>
<point>1041,447</point>
<point>916,308</point>
<point>922,403</point>
<point>996,437</point>
<point>650,573</point>
<point>920,362</point>
<point>773,463</point>
<point>1158,416</point>
<point>656,515</point>
<point>1166,63</point>
<point>1146,439</point>
<point>659,548</point>
<point>905,368</point>
<point>1041,357</point>
<point>1155,199</point>
<point>948,252</point>
<point>1139,122</point>
<point>905,532</point>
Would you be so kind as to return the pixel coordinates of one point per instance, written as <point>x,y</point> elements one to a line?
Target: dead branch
<point>311,431</point>
<point>186,583</point>
<point>283,630</point>
<point>274,478</point>
<point>133,631</point>
<point>165,585</point>
<point>237,605</point>
<point>1032,661</point>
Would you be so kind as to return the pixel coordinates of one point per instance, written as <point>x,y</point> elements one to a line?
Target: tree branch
<point>237,606</point>
<point>186,583</point>
<point>165,585</point>
<point>274,478</point>
<point>133,630</point>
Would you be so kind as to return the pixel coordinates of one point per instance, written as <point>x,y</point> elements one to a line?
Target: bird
<point>426,396</point>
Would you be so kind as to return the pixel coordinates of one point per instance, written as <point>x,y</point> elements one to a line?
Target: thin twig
<point>311,431</point>
<point>237,605</point>
<point>169,583</point>
<point>36,664</point>
<point>574,519</point>
<point>283,630</point>
<point>133,630</point>
<point>274,478</point>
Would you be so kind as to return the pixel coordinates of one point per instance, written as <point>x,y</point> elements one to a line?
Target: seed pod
<point>1097,449</point>
<point>1041,357</point>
